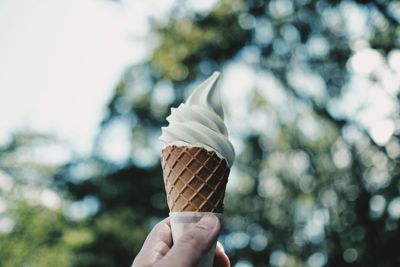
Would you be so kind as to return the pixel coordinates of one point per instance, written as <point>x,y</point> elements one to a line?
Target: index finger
<point>160,233</point>
<point>156,245</point>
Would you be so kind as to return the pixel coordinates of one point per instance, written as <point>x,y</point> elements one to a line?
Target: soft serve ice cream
<point>200,122</point>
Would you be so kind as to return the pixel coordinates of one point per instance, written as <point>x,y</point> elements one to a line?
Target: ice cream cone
<point>196,160</point>
<point>195,181</point>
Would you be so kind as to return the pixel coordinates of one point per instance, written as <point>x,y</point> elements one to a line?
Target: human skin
<point>158,251</point>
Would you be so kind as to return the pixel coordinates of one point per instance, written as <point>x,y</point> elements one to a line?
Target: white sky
<point>60,60</point>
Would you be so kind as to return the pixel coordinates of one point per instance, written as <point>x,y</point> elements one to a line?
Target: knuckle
<point>161,249</point>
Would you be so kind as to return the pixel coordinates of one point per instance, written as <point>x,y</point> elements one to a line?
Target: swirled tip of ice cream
<point>199,122</point>
<point>207,95</point>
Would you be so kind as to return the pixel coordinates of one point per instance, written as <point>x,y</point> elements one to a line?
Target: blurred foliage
<point>36,239</point>
<point>329,197</point>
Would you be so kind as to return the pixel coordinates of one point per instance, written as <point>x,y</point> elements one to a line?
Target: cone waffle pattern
<point>195,179</point>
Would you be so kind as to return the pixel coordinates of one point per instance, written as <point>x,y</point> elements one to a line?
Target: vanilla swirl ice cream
<point>200,122</point>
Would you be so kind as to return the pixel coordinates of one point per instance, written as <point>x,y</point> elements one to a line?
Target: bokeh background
<point>311,92</point>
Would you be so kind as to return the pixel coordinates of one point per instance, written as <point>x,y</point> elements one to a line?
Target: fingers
<point>221,259</point>
<point>160,233</point>
<point>188,250</point>
<point>156,245</point>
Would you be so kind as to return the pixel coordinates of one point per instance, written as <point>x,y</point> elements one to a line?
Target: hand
<point>158,251</point>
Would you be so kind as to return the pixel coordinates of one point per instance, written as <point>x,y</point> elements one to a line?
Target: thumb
<point>187,251</point>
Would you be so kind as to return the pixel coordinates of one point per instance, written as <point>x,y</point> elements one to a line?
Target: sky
<point>60,61</point>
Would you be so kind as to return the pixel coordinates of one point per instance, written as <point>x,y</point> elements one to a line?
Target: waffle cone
<point>195,179</point>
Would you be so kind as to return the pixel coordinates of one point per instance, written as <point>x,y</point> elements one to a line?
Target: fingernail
<point>208,222</point>
<point>220,246</point>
